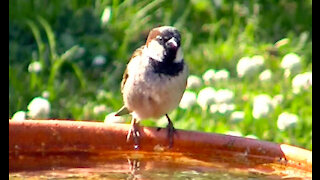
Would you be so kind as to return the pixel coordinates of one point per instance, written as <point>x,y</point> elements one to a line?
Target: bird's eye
<point>159,38</point>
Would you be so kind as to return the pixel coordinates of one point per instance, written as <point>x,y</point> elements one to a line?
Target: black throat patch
<point>167,67</point>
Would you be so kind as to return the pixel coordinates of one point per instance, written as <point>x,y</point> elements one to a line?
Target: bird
<point>154,80</point>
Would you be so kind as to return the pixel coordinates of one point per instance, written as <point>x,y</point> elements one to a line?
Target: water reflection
<point>141,166</point>
<point>134,168</point>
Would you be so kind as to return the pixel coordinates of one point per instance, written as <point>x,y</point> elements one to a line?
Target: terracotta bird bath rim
<point>48,144</point>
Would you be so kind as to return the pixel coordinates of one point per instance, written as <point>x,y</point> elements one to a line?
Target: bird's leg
<point>134,130</point>
<point>171,131</point>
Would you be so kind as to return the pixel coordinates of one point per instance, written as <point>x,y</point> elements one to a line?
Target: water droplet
<point>136,147</point>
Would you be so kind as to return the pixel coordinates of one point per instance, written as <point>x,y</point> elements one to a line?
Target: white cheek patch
<point>154,50</point>
<point>179,56</point>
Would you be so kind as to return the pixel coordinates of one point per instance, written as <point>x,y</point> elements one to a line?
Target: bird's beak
<point>172,43</point>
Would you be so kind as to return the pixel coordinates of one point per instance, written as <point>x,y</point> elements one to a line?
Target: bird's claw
<point>134,131</point>
<point>171,131</point>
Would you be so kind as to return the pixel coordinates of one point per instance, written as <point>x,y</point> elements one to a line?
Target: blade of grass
<point>54,70</point>
<point>79,75</point>
<point>50,36</point>
<point>40,44</point>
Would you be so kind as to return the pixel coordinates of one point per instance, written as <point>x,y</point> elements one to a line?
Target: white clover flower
<point>262,106</point>
<point>222,108</point>
<point>237,116</point>
<point>234,133</point>
<point>208,76</point>
<point>206,97</point>
<point>80,52</point>
<point>217,3</point>
<point>243,66</point>
<point>35,67</point>
<point>39,108</point>
<point>277,100</point>
<point>111,118</point>
<point>249,66</point>
<point>301,82</point>
<point>189,99</point>
<point>99,109</point>
<point>99,60</point>
<point>101,94</point>
<point>223,96</point>
<point>251,136</point>
<point>214,108</point>
<point>222,101</point>
<point>19,116</point>
<point>257,61</point>
<point>226,108</point>
<point>291,63</point>
<point>106,15</point>
<point>194,82</point>
<point>286,120</point>
<point>221,75</point>
<point>45,94</point>
<point>266,75</point>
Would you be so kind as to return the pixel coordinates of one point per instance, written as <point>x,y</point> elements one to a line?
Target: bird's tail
<point>122,111</point>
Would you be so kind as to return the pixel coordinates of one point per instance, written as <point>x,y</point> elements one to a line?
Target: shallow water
<point>101,173</point>
<point>140,169</point>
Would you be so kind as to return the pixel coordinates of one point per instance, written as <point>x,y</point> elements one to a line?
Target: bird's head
<point>163,44</point>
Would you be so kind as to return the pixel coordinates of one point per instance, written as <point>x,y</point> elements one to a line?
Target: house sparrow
<point>154,80</point>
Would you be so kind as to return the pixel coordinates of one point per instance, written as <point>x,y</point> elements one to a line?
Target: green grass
<point>65,36</point>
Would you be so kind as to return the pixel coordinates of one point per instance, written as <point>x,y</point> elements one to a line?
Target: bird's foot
<point>134,131</point>
<point>171,131</point>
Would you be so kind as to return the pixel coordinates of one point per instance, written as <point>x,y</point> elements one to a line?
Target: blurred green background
<point>83,46</point>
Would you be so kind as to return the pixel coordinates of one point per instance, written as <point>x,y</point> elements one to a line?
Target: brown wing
<point>125,76</point>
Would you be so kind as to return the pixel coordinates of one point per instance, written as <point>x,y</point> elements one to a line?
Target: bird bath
<point>80,150</point>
